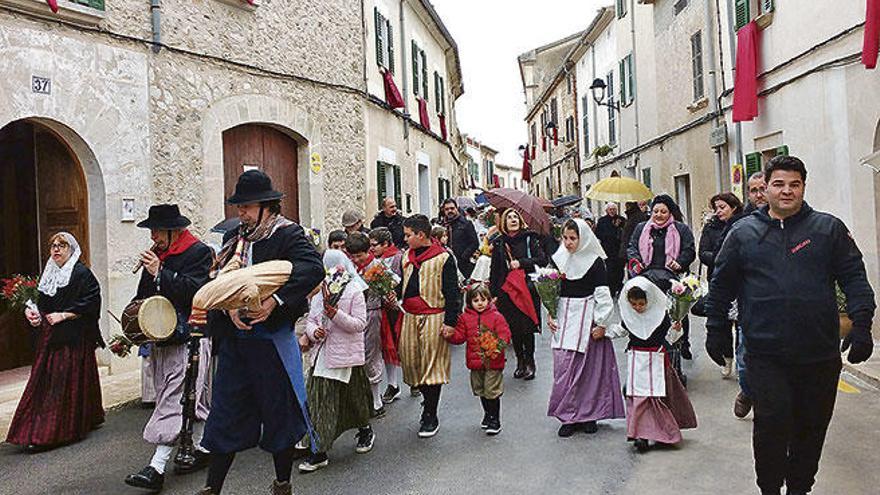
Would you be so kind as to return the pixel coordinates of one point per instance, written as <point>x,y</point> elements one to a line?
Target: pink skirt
<point>661,419</point>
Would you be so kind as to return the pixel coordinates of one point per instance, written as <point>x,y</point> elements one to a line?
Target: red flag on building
<point>745,88</point>
<point>533,151</point>
<point>872,34</point>
<point>53,4</point>
<point>423,114</point>
<point>543,143</point>
<point>249,2</point>
<point>495,181</point>
<point>442,126</point>
<point>555,136</point>
<point>527,168</point>
<point>392,95</point>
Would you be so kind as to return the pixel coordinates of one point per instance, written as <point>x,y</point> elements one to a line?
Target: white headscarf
<point>334,258</point>
<point>56,277</point>
<point>575,265</point>
<point>642,325</point>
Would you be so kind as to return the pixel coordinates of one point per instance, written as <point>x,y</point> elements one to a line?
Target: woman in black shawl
<point>62,400</point>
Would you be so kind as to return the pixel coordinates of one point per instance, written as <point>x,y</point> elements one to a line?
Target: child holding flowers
<point>487,335</point>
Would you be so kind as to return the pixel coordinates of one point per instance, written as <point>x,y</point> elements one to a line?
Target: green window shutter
<point>436,92</point>
<point>782,151</point>
<point>381,190</point>
<point>622,70</point>
<point>95,4</point>
<point>397,184</point>
<point>390,39</point>
<point>753,164</point>
<point>743,16</point>
<point>424,75</point>
<point>415,67</point>
<point>443,95</point>
<point>766,6</point>
<point>632,77</point>
<point>380,26</point>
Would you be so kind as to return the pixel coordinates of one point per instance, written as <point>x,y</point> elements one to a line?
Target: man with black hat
<point>259,396</point>
<point>175,268</point>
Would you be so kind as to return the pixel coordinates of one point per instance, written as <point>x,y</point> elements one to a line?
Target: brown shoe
<point>741,406</point>
<point>281,488</point>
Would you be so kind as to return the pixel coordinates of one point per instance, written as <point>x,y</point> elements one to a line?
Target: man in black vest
<point>176,268</point>
<point>259,396</point>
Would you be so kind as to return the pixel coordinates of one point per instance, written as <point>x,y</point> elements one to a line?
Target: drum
<point>149,320</point>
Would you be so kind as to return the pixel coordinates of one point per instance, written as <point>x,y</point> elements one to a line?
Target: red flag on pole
<point>872,34</point>
<point>53,4</point>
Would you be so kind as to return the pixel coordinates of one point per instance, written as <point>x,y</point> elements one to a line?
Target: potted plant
<point>845,322</point>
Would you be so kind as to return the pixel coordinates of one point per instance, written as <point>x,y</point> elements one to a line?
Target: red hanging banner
<point>555,136</point>
<point>423,114</point>
<point>392,95</point>
<point>442,126</point>
<point>543,143</point>
<point>53,4</point>
<point>872,34</point>
<point>527,168</point>
<point>745,88</point>
<point>533,151</point>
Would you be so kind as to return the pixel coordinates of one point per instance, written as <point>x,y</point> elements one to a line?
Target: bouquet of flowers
<point>491,345</point>
<point>380,279</point>
<point>313,235</point>
<point>120,345</point>
<point>18,290</point>
<point>336,280</point>
<point>547,283</point>
<point>682,296</point>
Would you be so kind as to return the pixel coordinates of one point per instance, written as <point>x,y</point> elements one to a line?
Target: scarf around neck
<point>232,254</point>
<point>435,249</point>
<point>57,277</point>
<point>672,244</point>
<point>575,265</point>
<point>183,242</point>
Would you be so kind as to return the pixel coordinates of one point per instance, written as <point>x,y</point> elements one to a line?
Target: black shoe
<point>529,373</point>
<point>377,413</point>
<point>186,465</point>
<point>795,491</point>
<point>429,427</point>
<point>742,405</point>
<point>365,438</point>
<point>590,427</point>
<point>485,422</point>
<point>520,368</point>
<point>641,444</point>
<point>686,352</point>
<point>391,394</point>
<point>494,426</point>
<point>566,431</point>
<point>414,392</point>
<point>314,463</point>
<point>148,479</point>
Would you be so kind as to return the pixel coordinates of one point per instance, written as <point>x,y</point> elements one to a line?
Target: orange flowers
<point>490,345</point>
<point>380,280</point>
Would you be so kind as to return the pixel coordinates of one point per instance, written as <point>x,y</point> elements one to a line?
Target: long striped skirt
<point>424,353</point>
<point>336,407</point>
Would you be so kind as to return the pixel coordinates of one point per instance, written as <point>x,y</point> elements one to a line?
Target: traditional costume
<point>373,338</point>
<point>517,298</point>
<point>259,395</point>
<point>431,299</point>
<point>586,383</point>
<point>62,400</point>
<point>658,407</point>
<point>183,270</point>
<point>390,326</point>
<point>339,386</point>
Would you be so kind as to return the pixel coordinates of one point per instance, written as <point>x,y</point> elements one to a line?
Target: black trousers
<point>793,404</point>
<point>524,346</point>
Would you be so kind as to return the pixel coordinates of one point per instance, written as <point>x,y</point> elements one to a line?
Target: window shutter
<point>95,4</point>
<point>424,75</point>
<point>443,95</point>
<point>753,164</point>
<point>632,77</point>
<point>622,72</point>
<point>381,189</point>
<point>743,16</point>
<point>766,6</point>
<point>389,38</point>
<point>782,151</point>
<point>585,101</point>
<point>397,183</point>
<point>380,28</point>
<point>415,67</point>
<point>436,92</point>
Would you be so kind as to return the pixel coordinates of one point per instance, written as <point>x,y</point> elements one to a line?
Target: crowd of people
<point>308,362</point>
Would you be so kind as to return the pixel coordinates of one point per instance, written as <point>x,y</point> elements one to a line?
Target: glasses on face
<point>59,247</point>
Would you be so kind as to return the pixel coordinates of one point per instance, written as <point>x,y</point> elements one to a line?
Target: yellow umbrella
<point>619,189</point>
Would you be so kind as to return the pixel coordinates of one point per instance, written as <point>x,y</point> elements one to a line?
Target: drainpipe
<point>632,32</point>
<point>731,32</point>
<point>713,94</point>
<point>595,116</point>
<point>156,18</point>
<point>403,73</point>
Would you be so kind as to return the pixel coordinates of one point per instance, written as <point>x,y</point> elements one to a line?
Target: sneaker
<point>566,431</point>
<point>314,463</point>
<point>590,427</point>
<point>641,445</point>
<point>494,426</point>
<point>378,413</point>
<point>741,406</point>
<point>485,423</point>
<point>365,438</point>
<point>727,369</point>
<point>391,394</point>
<point>429,427</point>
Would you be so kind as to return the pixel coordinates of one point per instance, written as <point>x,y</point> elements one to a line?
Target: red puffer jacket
<point>468,329</point>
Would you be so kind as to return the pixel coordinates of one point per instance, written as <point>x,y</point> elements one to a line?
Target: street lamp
<point>598,89</point>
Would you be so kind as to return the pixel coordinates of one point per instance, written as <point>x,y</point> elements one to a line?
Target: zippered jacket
<point>782,272</point>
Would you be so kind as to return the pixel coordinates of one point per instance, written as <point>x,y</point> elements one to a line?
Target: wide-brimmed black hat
<point>164,217</point>
<point>253,186</point>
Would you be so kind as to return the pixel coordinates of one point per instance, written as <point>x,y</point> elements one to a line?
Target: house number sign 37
<point>42,85</point>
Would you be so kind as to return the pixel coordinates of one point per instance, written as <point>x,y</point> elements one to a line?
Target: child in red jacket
<point>487,335</point>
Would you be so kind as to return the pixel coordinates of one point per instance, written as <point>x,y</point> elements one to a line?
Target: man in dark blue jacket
<point>781,264</point>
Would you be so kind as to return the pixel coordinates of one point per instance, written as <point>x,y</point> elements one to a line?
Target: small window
<point>384,41</point>
<point>568,82</point>
<point>743,14</point>
<point>679,6</point>
<point>627,81</point>
<point>697,65</point>
<point>569,130</point>
<point>646,177</point>
<point>621,8</point>
<point>554,117</point>
<point>585,124</point>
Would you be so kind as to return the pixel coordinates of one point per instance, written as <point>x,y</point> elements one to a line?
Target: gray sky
<point>490,35</point>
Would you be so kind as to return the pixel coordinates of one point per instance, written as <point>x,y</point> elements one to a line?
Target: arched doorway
<point>42,191</point>
<point>264,147</point>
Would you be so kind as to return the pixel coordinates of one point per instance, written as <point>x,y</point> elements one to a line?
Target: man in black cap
<point>175,268</point>
<point>259,396</point>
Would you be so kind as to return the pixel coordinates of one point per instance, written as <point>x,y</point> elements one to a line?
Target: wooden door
<point>268,149</point>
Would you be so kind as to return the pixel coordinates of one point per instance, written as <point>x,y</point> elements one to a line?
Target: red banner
<point>872,34</point>
<point>53,4</point>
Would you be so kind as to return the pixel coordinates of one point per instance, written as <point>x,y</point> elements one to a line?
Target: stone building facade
<point>123,112</point>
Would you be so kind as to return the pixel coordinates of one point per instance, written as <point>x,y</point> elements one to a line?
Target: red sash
<point>390,337</point>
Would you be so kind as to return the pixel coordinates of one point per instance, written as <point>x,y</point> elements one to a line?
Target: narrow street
<point>527,457</point>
